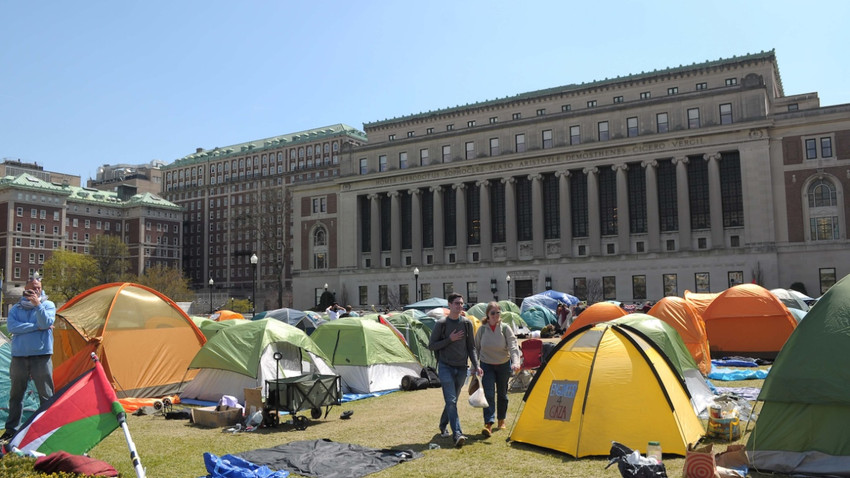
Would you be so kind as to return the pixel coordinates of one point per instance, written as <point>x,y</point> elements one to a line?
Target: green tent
<point>417,336</point>
<point>209,327</point>
<point>369,356</point>
<point>516,322</point>
<point>242,356</point>
<point>803,423</point>
<point>508,306</point>
<point>478,310</point>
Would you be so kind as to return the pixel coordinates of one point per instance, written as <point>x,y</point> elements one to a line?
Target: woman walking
<point>498,355</point>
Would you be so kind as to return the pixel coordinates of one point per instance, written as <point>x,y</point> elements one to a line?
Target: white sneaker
<point>460,441</point>
<point>445,433</point>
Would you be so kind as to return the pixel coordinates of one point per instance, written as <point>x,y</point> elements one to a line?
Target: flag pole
<point>121,416</point>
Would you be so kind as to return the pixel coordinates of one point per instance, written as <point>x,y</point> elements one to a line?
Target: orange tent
<point>682,316</point>
<point>143,339</point>
<point>747,320</point>
<point>598,312</point>
<point>700,300</point>
<point>222,315</point>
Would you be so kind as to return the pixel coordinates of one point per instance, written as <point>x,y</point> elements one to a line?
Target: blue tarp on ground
<point>731,374</point>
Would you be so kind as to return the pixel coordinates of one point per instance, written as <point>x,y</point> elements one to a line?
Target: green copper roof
<point>769,55</point>
<point>302,137</point>
<point>86,195</point>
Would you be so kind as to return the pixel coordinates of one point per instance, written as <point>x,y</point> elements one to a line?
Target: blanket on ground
<point>327,459</point>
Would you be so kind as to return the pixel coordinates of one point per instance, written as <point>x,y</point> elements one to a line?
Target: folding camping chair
<point>532,355</point>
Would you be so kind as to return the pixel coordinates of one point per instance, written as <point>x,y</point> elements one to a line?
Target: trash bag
<point>632,465</point>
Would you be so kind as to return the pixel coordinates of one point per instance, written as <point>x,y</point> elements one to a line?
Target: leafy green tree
<point>168,281</point>
<point>67,274</point>
<point>110,253</point>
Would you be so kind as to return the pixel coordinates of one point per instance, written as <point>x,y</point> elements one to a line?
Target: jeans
<point>496,376</point>
<point>452,379</point>
<point>40,368</point>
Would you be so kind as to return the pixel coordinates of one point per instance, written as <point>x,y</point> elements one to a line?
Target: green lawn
<point>405,420</point>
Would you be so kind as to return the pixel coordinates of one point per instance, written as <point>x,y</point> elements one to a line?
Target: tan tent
<point>144,340</point>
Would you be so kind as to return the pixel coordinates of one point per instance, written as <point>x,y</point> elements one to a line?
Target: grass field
<point>403,420</point>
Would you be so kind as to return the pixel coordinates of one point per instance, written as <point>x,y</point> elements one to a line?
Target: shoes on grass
<point>460,440</point>
<point>445,433</point>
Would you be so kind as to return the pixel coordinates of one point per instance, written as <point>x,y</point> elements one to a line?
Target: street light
<point>211,286</point>
<point>416,283</point>
<point>548,283</point>
<point>254,260</point>
<point>508,279</point>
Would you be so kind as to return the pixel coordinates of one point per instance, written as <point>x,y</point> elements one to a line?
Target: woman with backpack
<point>498,355</point>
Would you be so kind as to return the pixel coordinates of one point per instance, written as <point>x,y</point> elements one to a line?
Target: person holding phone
<point>30,322</point>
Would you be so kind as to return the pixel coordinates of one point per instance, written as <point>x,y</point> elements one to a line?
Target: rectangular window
<point>470,124</point>
<point>547,139</point>
<point>450,127</point>
<point>811,149</point>
<point>425,289</point>
<point>591,104</point>
<point>645,95</point>
<point>661,123</point>
<point>383,297</point>
<point>580,287</point>
<point>494,120</point>
<point>19,212</point>
<point>672,90</point>
<point>726,113</point>
<point>566,107</point>
<point>402,160</point>
<point>516,116</point>
<point>618,99</point>
<point>632,126</point>
<point>639,287</point>
<point>429,131</point>
<point>702,284</point>
<point>702,86</point>
<point>520,143</point>
<point>363,294</point>
<point>391,138</point>
<point>602,129</point>
<point>731,81</point>
<point>824,228</point>
<point>423,157</point>
<point>827,279</point>
<point>472,292</point>
<point>470,150</point>
<point>609,288</point>
<point>693,118</point>
<point>671,285</point>
<point>671,245</point>
<point>382,163</point>
<point>448,288</point>
<point>826,147</point>
<point>541,112</point>
<point>411,134</point>
<point>363,167</point>
<point>447,153</point>
<point>793,107</point>
<point>575,134</point>
<point>735,278</point>
<point>494,147</point>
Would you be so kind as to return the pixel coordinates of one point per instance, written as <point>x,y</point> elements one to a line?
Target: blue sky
<point>88,83</point>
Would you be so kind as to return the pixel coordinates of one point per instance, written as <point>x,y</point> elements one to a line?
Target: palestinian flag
<point>75,419</point>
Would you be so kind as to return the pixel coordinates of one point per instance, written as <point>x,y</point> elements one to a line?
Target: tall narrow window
<point>826,147</point>
<point>632,126</point>
<point>607,201</point>
<point>406,221</point>
<point>547,139</point>
<point>726,113</point>
<point>575,134</point>
<point>698,193</point>
<point>636,179</point>
<point>363,166</point>
<point>423,157</point>
<point>382,162</point>
<point>578,203</point>
<point>731,191</point>
<point>449,217</point>
<point>602,127</point>
<point>668,210</point>
<point>811,149</point>
<point>427,218</point>
<point>523,208</point>
<point>402,160</point>
<point>497,211</point>
<point>470,150</point>
<point>520,143</point>
<point>473,213</point>
<point>447,153</point>
<point>551,207</point>
<point>494,147</point>
<point>661,123</point>
<point>693,118</point>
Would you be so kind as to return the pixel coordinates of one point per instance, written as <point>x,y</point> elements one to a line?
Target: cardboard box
<point>253,398</point>
<point>210,417</point>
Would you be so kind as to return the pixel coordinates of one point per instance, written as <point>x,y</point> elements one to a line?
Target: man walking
<point>30,322</point>
<point>454,343</point>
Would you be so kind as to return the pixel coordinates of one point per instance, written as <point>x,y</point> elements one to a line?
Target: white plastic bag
<point>477,399</point>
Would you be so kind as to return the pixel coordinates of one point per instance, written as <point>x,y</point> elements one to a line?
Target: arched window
<point>823,210</point>
<point>320,248</point>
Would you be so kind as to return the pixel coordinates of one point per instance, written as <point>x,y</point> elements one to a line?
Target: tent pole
<point>137,464</point>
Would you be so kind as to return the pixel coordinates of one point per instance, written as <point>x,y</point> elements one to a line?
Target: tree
<point>110,253</point>
<point>169,281</point>
<point>67,274</point>
<point>594,291</point>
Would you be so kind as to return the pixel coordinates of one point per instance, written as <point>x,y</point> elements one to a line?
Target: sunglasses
<point>495,312</point>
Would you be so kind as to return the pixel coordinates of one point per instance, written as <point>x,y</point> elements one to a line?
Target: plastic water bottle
<point>653,450</point>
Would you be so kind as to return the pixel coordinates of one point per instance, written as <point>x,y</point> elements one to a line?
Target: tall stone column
<point>653,218</point>
<point>486,224</point>
<point>715,201</point>
<point>594,232</point>
<point>684,203</point>
<point>623,226</point>
<point>538,241</point>
<point>395,224</point>
<point>439,225</point>
<point>510,218</point>
<point>416,226</point>
<point>565,213</point>
<point>462,237</point>
<point>376,229</point>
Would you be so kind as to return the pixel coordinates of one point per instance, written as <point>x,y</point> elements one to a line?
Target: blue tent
<point>549,299</point>
<point>538,317</point>
<point>428,304</point>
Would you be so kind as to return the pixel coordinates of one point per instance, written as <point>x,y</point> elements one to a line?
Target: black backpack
<point>430,374</point>
<point>412,382</point>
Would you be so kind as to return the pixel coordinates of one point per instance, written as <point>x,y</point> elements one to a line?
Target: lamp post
<point>508,280</point>
<point>416,284</point>
<point>211,286</point>
<point>548,283</point>
<point>254,260</point>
